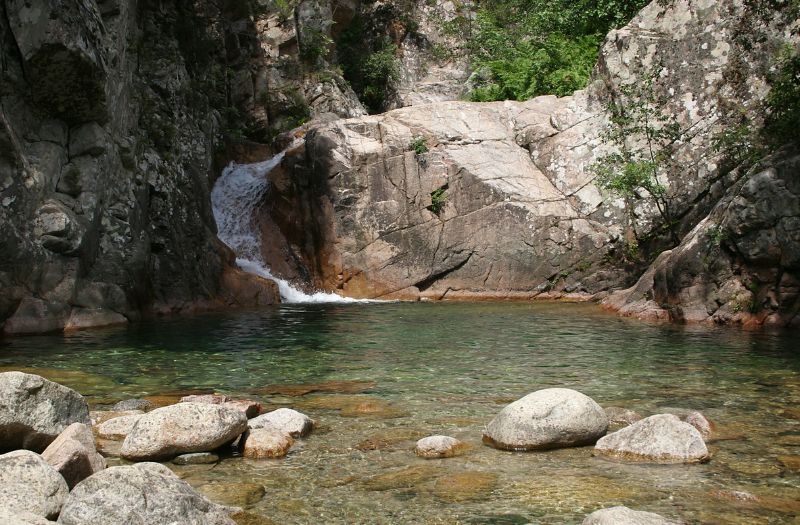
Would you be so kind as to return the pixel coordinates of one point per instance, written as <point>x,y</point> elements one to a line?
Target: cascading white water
<point>234,198</point>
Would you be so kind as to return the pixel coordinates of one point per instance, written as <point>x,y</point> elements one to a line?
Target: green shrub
<point>438,198</point>
<point>783,101</point>
<point>418,145</point>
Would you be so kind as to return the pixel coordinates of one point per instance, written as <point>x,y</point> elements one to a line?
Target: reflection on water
<point>448,368</point>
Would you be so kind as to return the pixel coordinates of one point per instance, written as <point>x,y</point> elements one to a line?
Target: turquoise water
<point>448,368</point>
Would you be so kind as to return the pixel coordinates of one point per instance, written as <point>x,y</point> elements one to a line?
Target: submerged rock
<point>625,516</point>
<point>700,422</point>
<point>292,422</point>
<point>402,478</point>
<point>465,486</point>
<point>621,416</point>
<point>178,429</point>
<point>34,411</point>
<point>28,483</point>
<point>301,389</point>
<point>549,418</point>
<point>662,438</point>
<point>133,404</point>
<point>144,493</point>
<point>266,442</point>
<point>74,454</point>
<point>439,447</point>
<point>234,494</point>
<point>197,458</point>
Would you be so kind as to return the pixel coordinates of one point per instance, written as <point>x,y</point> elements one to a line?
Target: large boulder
<point>74,454</point>
<point>625,516</point>
<point>34,411</point>
<point>141,494</point>
<point>662,438</point>
<point>28,483</point>
<point>178,429</point>
<point>549,418</point>
<point>294,423</point>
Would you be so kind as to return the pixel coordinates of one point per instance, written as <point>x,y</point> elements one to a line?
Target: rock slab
<point>34,411</point>
<point>74,454</point>
<point>625,516</point>
<point>546,419</point>
<point>142,493</point>
<point>28,483</point>
<point>662,438</point>
<point>180,429</point>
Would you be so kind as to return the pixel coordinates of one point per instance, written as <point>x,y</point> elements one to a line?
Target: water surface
<point>447,368</point>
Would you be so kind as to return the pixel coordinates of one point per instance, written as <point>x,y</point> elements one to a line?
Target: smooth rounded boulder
<point>662,438</point>
<point>547,419</point>
<point>34,411</point>
<point>180,429</point>
<point>143,493</point>
<point>74,454</point>
<point>118,427</point>
<point>625,516</point>
<point>294,423</point>
<point>21,517</point>
<point>28,483</point>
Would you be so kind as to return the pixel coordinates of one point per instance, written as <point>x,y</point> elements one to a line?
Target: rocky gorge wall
<point>106,150</point>
<point>498,200</point>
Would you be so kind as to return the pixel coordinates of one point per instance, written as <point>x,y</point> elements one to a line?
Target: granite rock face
<point>740,264</point>
<point>34,411</point>
<point>142,493</point>
<point>463,200</point>
<point>107,150</point>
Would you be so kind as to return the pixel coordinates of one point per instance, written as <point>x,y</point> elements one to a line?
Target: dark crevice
<point>429,281</point>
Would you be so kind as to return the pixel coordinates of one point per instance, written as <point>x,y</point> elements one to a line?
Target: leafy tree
<point>526,48</point>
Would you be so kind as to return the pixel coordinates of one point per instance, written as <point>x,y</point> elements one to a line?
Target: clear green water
<point>447,369</point>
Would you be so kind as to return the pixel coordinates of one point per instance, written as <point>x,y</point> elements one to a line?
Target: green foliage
<point>716,234</point>
<point>783,101</point>
<point>371,68</point>
<point>525,48</point>
<point>438,198</point>
<point>647,136</point>
<point>315,45</point>
<point>418,145</point>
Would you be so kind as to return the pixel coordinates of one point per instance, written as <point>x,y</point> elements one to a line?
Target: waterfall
<point>234,199</point>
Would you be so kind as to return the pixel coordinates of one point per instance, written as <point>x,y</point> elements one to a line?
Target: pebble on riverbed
<point>625,516</point>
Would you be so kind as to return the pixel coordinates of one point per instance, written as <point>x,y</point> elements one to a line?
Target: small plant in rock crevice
<point>419,145</point>
<point>438,198</point>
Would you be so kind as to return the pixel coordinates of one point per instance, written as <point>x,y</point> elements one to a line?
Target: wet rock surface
<point>433,447</point>
<point>266,442</point>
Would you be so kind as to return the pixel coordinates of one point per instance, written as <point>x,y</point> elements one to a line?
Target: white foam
<point>234,199</point>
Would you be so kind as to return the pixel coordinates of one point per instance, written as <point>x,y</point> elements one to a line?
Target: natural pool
<point>449,368</point>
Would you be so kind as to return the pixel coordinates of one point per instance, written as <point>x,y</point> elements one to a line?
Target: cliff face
<point>107,149</point>
<point>504,202</point>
